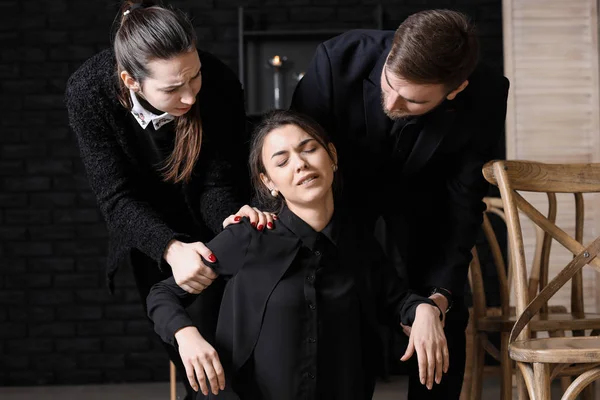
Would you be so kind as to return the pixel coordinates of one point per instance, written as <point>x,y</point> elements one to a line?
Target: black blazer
<point>256,261</point>
<point>127,189</point>
<point>432,206</point>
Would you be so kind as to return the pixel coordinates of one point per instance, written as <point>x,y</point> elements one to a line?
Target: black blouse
<point>312,333</point>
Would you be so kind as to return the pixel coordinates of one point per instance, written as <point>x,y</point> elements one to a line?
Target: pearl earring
<point>274,193</point>
<point>334,167</point>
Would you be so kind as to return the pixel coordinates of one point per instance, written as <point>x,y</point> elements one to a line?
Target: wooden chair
<point>486,320</point>
<point>173,380</point>
<point>539,360</point>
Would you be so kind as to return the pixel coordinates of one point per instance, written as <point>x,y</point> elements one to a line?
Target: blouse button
<point>311,376</point>
<point>312,306</point>
<point>312,340</point>
<point>310,278</point>
<point>317,253</point>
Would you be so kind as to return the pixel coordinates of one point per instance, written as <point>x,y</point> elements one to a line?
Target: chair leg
<point>522,393</point>
<point>465,393</point>
<point>173,380</point>
<point>565,381</point>
<point>506,368</point>
<point>541,384</point>
<point>478,366</point>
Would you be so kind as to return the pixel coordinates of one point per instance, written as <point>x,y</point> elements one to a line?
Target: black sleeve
<point>466,188</point>
<point>130,219</point>
<point>226,179</point>
<point>167,301</point>
<point>395,303</point>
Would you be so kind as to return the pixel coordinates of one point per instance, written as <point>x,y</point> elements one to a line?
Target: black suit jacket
<point>431,207</point>
<point>256,261</point>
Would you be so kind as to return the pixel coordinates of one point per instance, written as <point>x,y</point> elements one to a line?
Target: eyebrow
<point>178,85</point>
<point>300,145</point>
<point>391,87</point>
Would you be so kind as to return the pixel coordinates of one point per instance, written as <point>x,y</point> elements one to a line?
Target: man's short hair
<point>435,47</point>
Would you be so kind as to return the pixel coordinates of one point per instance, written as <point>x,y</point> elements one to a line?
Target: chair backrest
<point>513,177</point>
<point>476,280</point>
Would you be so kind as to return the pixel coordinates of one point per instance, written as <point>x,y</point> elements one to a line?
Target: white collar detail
<point>144,117</point>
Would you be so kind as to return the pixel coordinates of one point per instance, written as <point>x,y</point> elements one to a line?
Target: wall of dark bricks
<point>58,324</point>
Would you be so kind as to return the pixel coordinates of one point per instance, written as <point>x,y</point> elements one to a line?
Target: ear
<point>267,182</point>
<point>456,91</point>
<point>129,82</point>
<point>333,151</point>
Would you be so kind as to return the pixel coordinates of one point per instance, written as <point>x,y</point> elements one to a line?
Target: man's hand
<point>427,338</point>
<point>189,271</point>
<point>258,219</point>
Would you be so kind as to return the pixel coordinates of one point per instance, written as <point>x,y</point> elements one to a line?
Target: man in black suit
<point>414,117</point>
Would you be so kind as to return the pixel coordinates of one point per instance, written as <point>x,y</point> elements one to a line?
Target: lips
<point>307,179</point>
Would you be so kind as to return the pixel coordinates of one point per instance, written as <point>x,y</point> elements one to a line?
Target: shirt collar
<point>305,232</point>
<point>144,117</point>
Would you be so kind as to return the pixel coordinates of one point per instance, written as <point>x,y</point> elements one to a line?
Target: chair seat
<point>541,322</point>
<point>563,350</point>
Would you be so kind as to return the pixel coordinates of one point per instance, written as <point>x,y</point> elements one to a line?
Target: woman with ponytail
<point>161,131</point>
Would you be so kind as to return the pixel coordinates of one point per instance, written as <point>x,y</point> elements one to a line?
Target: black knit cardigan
<point>119,178</point>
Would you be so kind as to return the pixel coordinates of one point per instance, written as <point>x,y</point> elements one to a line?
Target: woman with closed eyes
<point>303,301</point>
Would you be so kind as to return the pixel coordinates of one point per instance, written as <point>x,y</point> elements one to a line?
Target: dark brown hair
<point>147,32</point>
<point>271,121</point>
<point>435,47</point>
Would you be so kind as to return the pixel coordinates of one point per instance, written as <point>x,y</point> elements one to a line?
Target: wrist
<point>171,249</point>
<point>441,301</point>
<point>428,308</point>
<point>185,333</point>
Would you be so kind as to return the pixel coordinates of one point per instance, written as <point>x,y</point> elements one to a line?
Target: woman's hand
<point>189,271</point>
<point>200,360</point>
<point>428,339</point>
<point>258,219</point>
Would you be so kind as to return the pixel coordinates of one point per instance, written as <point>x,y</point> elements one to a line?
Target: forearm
<point>166,308</point>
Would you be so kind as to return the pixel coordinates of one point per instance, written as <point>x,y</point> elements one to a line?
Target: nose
<point>391,100</point>
<point>188,97</point>
<point>300,164</point>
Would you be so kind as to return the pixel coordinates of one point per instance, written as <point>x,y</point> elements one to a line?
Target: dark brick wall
<point>57,322</point>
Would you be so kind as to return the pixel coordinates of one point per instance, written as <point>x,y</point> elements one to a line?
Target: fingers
<point>191,287</point>
<point>422,360</point>
<point>211,375</point>
<point>406,329</point>
<point>190,373</point>
<point>199,372</point>
<point>203,270</point>
<point>446,355</point>
<point>250,212</point>
<point>232,219</point>
<point>430,367</point>
<point>219,371</point>
<point>410,349</point>
<point>439,362</point>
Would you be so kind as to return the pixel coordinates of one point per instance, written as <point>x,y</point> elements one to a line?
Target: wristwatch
<point>444,292</point>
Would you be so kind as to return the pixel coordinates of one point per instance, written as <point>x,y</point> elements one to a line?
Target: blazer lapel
<point>267,259</point>
<point>435,128</point>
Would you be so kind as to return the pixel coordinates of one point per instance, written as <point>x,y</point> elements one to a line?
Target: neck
<point>148,106</point>
<point>315,215</point>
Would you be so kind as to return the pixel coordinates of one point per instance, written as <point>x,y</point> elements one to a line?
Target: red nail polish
<point>260,227</point>
<point>212,258</point>
<point>270,225</point>
<point>237,219</point>
<point>275,217</point>
<point>253,224</point>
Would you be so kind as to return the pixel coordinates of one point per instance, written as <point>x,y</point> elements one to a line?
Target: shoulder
<point>216,72</point>
<point>360,41</point>
<point>487,84</point>
<point>96,76</point>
